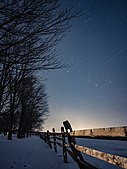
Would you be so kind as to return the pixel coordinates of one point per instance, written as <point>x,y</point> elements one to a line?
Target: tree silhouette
<point>29,32</point>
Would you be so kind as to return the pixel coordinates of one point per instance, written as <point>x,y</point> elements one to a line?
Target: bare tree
<point>29,32</point>
<point>34,105</point>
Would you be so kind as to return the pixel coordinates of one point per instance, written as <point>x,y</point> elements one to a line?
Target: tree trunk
<point>10,126</point>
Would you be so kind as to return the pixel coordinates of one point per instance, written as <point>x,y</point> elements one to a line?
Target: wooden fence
<point>70,147</point>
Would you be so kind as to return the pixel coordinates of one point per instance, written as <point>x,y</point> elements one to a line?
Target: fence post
<point>77,155</point>
<point>48,139</point>
<point>54,139</point>
<point>64,147</point>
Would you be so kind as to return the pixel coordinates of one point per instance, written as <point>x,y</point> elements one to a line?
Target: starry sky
<point>92,93</point>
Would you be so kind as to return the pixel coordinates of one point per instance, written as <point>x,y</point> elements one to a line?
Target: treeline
<point>29,32</point>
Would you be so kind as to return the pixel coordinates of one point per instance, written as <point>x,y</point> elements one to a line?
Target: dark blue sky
<point>93,91</point>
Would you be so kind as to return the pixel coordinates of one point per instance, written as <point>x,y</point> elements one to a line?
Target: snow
<point>34,153</point>
<point>30,153</point>
<point>115,147</point>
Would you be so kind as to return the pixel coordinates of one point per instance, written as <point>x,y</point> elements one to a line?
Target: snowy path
<point>30,153</point>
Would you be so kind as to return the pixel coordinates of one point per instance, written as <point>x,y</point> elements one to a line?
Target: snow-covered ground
<point>30,153</point>
<point>34,153</point>
<point>115,147</point>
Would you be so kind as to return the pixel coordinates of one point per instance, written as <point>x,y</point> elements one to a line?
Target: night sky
<point>92,93</point>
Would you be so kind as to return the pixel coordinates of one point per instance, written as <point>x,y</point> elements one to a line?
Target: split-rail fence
<point>66,140</point>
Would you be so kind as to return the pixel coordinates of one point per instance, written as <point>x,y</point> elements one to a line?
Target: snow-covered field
<point>115,147</point>
<point>34,153</point>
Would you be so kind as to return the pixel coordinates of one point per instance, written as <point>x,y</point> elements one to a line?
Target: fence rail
<point>74,150</point>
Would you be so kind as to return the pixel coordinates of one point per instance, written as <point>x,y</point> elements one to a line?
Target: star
<point>96,84</point>
<point>82,61</point>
